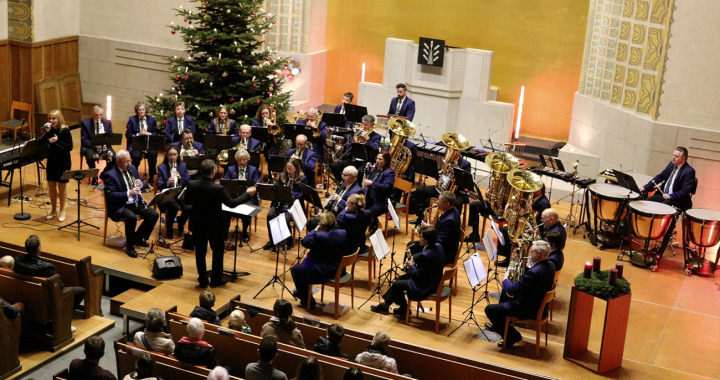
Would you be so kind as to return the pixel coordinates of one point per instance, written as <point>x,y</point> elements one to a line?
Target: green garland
<point>597,285</point>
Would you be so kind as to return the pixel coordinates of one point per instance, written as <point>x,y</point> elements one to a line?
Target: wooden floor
<point>674,320</point>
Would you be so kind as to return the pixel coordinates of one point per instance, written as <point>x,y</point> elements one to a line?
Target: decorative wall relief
<point>20,26</point>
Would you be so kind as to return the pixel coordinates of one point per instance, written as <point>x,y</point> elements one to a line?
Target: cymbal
<point>455,141</point>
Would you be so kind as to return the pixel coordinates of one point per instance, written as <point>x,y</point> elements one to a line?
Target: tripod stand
<point>234,274</point>
<point>279,233</point>
<point>381,250</point>
<point>79,175</point>
<point>475,271</point>
<point>276,278</point>
<point>167,195</point>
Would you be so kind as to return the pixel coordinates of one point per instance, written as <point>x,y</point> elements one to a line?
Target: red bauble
<point>164,121</point>
<point>186,78</point>
<point>191,55</point>
<point>211,40</point>
<point>172,32</point>
<point>207,4</point>
<point>177,77</point>
<point>254,85</point>
<point>185,19</point>
<point>232,99</point>
<point>234,31</point>
<point>258,102</point>
<point>217,63</point>
<point>190,22</point>
<point>267,59</point>
<point>285,64</point>
<point>214,98</point>
<point>269,93</point>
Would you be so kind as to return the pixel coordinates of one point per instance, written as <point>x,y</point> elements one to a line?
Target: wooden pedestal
<point>614,328</point>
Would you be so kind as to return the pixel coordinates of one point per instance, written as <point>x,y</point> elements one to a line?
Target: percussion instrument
<point>649,221</point>
<point>609,203</point>
<point>701,229</point>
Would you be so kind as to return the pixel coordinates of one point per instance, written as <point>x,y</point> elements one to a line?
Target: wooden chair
<point>107,218</point>
<point>406,188</point>
<point>369,256</point>
<point>557,275</point>
<point>443,292</point>
<point>340,281</point>
<point>539,321</point>
<point>21,114</point>
<point>463,235</point>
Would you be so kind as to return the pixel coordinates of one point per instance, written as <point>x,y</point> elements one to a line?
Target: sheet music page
<point>393,214</point>
<point>475,270</point>
<point>298,215</point>
<point>242,209</point>
<point>279,229</point>
<point>379,245</point>
<point>497,232</point>
<point>489,244</point>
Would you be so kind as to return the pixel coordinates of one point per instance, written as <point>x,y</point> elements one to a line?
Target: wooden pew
<point>72,273</point>
<point>46,303</point>
<point>9,345</point>
<point>166,366</point>
<point>62,375</point>
<point>421,362</point>
<point>240,349</point>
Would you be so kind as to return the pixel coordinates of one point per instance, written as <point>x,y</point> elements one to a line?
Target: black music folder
<point>260,133</point>
<point>334,119</point>
<point>355,113</point>
<point>108,139</point>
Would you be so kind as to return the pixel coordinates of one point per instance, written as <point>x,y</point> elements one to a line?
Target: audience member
<point>89,368</point>
<point>353,373</point>
<point>331,345</point>
<point>32,265</point>
<point>192,349</point>
<point>282,326</point>
<point>154,338</point>
<point>7,261</point>
<point>375,355</point>
<point>237,322</point>
<point>144,369</point>
<point>12,311</point>
<point>309,369</point>
<point>263,369</point>
<point>218,373</point>
<point>205,310</point>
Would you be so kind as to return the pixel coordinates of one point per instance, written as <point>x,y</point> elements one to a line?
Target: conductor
<point>207,223</point>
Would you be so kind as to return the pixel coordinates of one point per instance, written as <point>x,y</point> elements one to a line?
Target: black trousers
<point>217,245</point>
<point>151,156</point>
<point>90,154</point>
<point>396,293</point>
<point>171,209</point>
<point>497,312</point>
<point>476,209</point>
<point>130,214</point>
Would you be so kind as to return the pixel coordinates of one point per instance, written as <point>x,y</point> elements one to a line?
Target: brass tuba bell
<point>455,143</point>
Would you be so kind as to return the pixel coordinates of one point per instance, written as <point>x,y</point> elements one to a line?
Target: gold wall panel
<point>642,10</point>
<point>622,52</point>
<point>625,31</point>
<point>628,8</point>
<point>629,99</point>
<point>647,92</point>
<point>633,76</point>
<point>653,49</point>
<point>616,94</point>
<point>20,20</point>
<point>635,56</point>
<point>659,12</point>
<point>619,74</point>
<point>638,34</point>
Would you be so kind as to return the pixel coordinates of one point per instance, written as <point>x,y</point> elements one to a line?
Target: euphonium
<point>524,184</point>
<point>401,155</point>
<point>188,151</point>
<point>497,193</point>
<point>454,143</point>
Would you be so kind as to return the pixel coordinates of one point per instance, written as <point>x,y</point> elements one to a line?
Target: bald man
<point>307,157</point>
<point>551,222</point>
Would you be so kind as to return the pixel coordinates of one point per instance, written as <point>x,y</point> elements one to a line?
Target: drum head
<point>651,208</point>
<point>704,214</point>
<point>611,191</point>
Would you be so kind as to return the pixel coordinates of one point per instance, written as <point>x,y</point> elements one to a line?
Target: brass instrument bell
<point>455,141</point>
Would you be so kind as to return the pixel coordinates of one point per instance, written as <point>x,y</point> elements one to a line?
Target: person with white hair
<point>523,298</point>
<point>308,158</point>
<point>192,349</point>
<point>237,322</point>
<point>218,373</point>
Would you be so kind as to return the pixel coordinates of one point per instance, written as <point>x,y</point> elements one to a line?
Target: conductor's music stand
<point>79,175</point>
<point>31,148</point>
<point>163,196</point>
<point>244,210</point>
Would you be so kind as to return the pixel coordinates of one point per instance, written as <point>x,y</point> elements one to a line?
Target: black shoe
<point>381,308</point>
<point>181,229</point>
<point>503,263</point>
<point>216,283</point>
<point>245,237</point>
<point>268,246</point>
<point>400,311</point>
<point>416,221</point>
<point>141,243</point>
<point>202,285</point>
<point>490,327</point>
<point>94,181</point>
<point>131,252</point>
<point>169,234</point>
<point>510,341</point>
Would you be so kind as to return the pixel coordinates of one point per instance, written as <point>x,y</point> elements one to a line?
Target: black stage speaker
<point>166,268</point>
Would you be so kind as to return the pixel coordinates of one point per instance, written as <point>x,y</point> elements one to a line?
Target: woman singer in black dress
<point>57,134</point>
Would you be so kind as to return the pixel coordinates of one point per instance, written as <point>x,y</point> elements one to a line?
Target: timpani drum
<point>648,221</point>
<point>701,230</point>
<point>609,200</point>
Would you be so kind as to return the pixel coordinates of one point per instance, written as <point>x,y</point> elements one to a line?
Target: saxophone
<point>426,219</point>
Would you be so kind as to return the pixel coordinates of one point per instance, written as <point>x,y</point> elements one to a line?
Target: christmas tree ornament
<point>224,74</point>
<point>202,81</point>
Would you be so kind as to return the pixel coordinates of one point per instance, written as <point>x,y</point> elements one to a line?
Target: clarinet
<point>138,198</point>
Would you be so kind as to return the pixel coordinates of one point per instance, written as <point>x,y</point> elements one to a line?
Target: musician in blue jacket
<point>424,273</point>
<point>222,125</point>
<point>378,187</point>
<point>243,171</point>
<point>402,105</point>
<point>123,196</point>
<point>346,99</point>
<point>317,142</point>
<point>365,136</point>
<point>327,245</point>
<point>178,123</point>
<point>97,124</point>
<point>247,142</point>
<point>355,220</point>
<point>420,198</point>
<point>292,177</point>
<point>307,157</point>
<point>557,257</point>
<point>337,201</point>
<point>263,119</point>
<point>173,173</point>
<point>523,298</point>
<point>142,124</point>
<point>448,227</point>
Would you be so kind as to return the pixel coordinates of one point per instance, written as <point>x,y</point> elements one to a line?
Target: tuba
<point>454,142</point>
<point>497,194</point>
<point>519,217</point>
<point>401,155</point>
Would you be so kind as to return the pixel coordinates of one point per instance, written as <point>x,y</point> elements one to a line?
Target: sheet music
<point>298,215</point>
<point>279,229</point>
<point>379,244</point>
<point>393,214</point>
<point>497,232</point>
<point>242,209</point>
<point>489,244</point>
<point>475,270</point>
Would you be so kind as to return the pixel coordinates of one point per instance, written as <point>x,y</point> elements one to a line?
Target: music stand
<point>218,142</point>
<point>79,175</point>
<point>627,181</point>
<point>247,210</point>
<point>31,148</point>
<point>260,133</point>
<point>106,139</point>
<point>276,164</point>
<point>476,274</point>
<point>426,166</point>
<point>163,196</point>
<point>147,143</point>
<point>355,113</point>
<point>279,233</point>
<point>463,180</point>
<point>552,163</point>
<point>311,195</point>
<point>364,152</point>
<point>334,119</point>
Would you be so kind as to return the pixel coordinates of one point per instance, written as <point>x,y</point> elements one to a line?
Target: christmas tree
<point>225,63</point>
